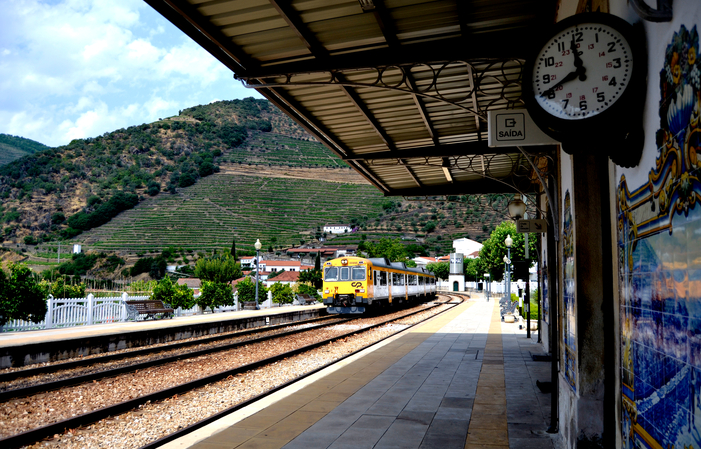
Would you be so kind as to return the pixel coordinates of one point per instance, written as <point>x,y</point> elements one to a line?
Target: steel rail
<point>193,427</point>
<point>71,381</point>
<point>12,375</point>
<point>39,433</point>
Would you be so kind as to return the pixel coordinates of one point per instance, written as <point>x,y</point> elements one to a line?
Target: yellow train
<point>354,284</point>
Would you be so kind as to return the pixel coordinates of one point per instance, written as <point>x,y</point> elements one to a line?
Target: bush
<point>173,294</point>
<point>21,296</point>
<point>215,294</point>
<point>282,293</point>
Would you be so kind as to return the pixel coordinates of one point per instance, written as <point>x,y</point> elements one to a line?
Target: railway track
<point>91,416</point>
<point>161,355</point>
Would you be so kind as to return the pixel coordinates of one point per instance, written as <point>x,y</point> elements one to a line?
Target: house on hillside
<point>326,252</point>
<point>421,262</point>
<point>337,228</point>
<point>286,277</point>
<point>192,283</point>
<point>467,247</point>
<point>281,265</point>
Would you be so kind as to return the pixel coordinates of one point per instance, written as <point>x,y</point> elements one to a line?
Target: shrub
<point>21,296</point>
<point>173,294</point>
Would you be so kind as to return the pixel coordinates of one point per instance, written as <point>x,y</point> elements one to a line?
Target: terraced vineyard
<point>280,150</point>
<point>224,207</point>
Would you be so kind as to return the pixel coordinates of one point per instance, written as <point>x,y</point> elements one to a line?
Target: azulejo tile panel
<point>569,314</point>
<point>659,226</point>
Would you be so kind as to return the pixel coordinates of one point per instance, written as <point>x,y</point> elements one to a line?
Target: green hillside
<point>14,147</point>
<point>220,208</point>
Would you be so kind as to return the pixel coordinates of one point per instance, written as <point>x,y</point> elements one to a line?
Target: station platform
<point>29,347</point>
<point>462,380</point>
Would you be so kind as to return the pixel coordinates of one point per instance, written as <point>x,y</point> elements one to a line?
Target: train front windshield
<point>332,274</point>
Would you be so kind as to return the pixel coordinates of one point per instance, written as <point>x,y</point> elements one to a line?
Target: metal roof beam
<point>314,127</point>
<point>458,149</point>
<point>294,21</point>
<point>460,188</point>
<point>507,44</point>
<point>192,23</point>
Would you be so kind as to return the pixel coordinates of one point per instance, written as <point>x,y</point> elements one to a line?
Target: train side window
<point>383,278</point>
<point>412,279</point>
<point>331,274</point>
<point>345,273</point>
<point>421,280</point>
<point>358,273</point>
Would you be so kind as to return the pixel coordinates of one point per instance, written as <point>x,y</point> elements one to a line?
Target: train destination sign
<point>525,226</point>
<point>514,127</point>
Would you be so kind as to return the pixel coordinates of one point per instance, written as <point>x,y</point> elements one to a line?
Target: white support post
<point>48,321</point>
<point>91,299</point>
<point>124,306</point>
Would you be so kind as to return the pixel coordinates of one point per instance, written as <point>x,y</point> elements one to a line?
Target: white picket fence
<point>71,312</point>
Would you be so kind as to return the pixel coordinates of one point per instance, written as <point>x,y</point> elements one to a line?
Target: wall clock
<point>585,84</point>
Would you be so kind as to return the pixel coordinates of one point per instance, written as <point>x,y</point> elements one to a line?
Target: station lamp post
<point>507,260</point>
<point>257,245</point>
<point>487,282</point>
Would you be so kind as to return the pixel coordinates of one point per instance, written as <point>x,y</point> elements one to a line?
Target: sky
<point>73,69</point>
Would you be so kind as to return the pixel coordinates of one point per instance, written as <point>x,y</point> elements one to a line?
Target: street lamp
<point>517,208</point>
<point>507,260</point>
<point>257,245</point>
<point>486,275</point>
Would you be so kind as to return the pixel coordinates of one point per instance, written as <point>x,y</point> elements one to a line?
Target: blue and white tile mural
<point>569,314</point>
<point>659,225</point>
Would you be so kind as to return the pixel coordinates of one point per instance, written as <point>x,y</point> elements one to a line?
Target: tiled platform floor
<point>463,380</point>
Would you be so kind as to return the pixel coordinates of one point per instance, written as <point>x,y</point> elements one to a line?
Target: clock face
<point>582,71</point>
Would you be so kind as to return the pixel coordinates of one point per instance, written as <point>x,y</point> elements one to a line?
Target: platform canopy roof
<point>399,89</point>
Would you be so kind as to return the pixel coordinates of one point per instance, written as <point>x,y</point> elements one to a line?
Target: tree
<point>311,277</point>
<point>304,289</point>
<point>233,250</point>
<point>247,290</point>
<point>494,249</point>
<point>440,269</point>
<point>21,296</point>
<point>282,293</point>
<point>392,249</point>
<point>473,269</point>
<point>221,268</point>
<point>59,288</point>
<point>215,294</point>
<point>317,262</point>
<point>173,294</point>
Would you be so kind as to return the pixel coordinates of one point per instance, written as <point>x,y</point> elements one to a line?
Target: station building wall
<point>652,312</point>
<point>658,219</point>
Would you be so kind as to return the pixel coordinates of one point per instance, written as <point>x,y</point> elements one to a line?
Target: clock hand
<point>578,63</point>
<point>569,77</point>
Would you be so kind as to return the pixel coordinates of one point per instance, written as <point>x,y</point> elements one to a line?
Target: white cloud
<point>79,68</point>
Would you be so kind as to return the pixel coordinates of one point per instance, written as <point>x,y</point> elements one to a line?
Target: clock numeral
<point>602,54</point>
<point>612,47</point>
<point>600,97</point>
<point>561,46</point>
<point>590,47</point>
<point>551,94</point>
<point>596,37</point>
<point>546,79</point>
<point>578,36</point>
<point>583,105</point>
<point>617,63</point>
<point>549,62</point>
<point>612,82</point>
<point>564,106</point>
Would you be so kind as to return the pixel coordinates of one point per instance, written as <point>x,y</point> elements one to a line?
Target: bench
<point>306,299</point>
<point>150,307</point>
<point>249,305</point>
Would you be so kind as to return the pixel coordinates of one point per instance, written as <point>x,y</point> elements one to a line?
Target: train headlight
<point>327,291</point>
<point>360,290</point>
